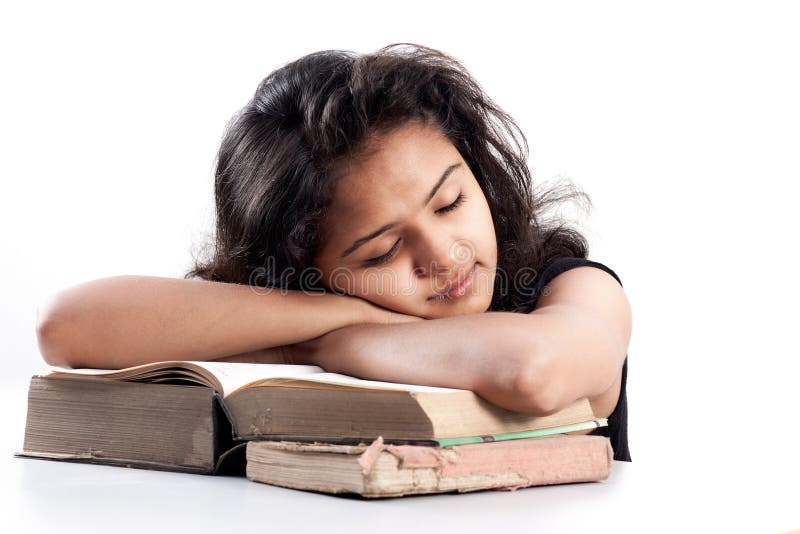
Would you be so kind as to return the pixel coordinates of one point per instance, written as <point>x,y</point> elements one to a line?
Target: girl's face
<point>407,223</point>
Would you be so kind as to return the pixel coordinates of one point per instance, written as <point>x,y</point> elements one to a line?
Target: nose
<point>439,256</point>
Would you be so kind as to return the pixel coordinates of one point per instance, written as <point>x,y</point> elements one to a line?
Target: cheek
<point>487,212</point>
<point>480,222</point>
<point>395,289</point>
<point>386,284</point>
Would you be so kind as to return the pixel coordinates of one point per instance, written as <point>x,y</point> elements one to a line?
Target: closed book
<point>385,470</point>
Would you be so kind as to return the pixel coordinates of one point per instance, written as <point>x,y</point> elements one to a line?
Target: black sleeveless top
<point>617,429</point>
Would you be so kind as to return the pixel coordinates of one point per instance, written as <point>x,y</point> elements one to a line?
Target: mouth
<point>457,291</point>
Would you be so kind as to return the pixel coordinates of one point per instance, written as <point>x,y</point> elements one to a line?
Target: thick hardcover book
<point>381,470</point>
<point>196,416</point>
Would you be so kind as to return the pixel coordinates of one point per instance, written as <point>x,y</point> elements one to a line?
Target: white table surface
<point>48,496</point>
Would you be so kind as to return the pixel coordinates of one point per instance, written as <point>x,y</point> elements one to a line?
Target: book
<point>383,470</point>
<point>197,416</point>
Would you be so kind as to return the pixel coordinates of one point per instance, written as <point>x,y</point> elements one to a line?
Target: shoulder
<point>591,291</point>
<point>557,266</point>
<point>584,283</point>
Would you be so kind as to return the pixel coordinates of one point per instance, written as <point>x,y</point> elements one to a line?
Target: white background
<point>681,121</point>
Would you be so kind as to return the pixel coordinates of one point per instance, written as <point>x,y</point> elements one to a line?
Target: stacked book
<point>298,426</point>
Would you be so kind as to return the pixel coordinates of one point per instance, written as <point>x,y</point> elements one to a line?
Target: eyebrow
<point>361,240</point>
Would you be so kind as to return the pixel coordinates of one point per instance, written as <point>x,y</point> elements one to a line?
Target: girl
<point>375,216</point>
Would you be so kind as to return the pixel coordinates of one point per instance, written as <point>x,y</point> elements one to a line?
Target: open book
<point>190,415</point>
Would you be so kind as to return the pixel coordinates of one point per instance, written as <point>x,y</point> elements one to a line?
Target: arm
<point>571,346</point>
<point>130,320</point>
<point>482,352</point>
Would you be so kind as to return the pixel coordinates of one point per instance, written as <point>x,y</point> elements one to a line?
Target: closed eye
<point>456,203</point>
<point>383,259</point>
<point>388,256</point>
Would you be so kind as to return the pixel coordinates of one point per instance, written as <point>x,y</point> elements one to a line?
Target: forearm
<point>494,354</point>
<point>129,320</point>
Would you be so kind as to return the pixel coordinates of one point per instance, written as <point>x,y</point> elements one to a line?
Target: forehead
<point>399,167</point>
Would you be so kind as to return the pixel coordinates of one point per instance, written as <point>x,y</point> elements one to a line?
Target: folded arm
<point>571,346</point>
<point>488,353</point>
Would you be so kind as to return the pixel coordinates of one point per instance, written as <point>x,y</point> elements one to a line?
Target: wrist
<point>351,310</point>
<point>316,351</point>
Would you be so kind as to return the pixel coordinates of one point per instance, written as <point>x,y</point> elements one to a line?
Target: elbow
<point>51,344</point>
<point>51,336</point>
<point>534,387</point>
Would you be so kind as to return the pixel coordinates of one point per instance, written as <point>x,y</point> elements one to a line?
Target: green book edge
<point>586,425</point>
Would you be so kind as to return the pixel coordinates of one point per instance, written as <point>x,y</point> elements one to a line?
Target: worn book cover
<point>385,470</point>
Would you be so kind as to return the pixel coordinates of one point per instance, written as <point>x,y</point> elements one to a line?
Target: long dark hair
<point>273,180</point>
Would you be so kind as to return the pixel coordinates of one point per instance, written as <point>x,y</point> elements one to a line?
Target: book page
<point>234,375</point>
<point>228,377</point>
<point>224,377</point>
<point>339,381</point>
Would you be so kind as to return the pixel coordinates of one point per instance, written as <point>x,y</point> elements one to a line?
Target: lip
<point>458,291</point>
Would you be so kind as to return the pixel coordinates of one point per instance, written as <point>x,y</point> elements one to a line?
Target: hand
<point>310,352</point>
<point>324,351</point>
<point>305,352</point>
<point>379,315</point>
<point>302,353</point>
